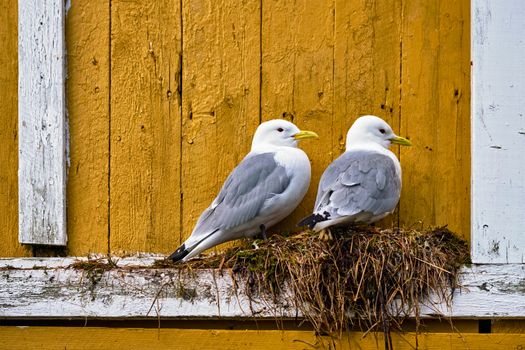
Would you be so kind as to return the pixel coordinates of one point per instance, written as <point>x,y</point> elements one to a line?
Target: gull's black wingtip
<point>313,219</point>
<point>179,254</point>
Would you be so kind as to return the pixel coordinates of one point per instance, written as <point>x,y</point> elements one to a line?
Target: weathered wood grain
<point>87,35</point>
<point>145,126</point>
<point>29,286</point>
<point>41,123</point>
<point>498,132</point>
<point>220,97</point>
<point>165,338</point>
<point>9,132</point>
<point>435,94</point>
<point>121,293</point>
<point>297,80</point>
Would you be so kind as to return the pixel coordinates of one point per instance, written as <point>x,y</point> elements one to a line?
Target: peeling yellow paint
<point>87,36</point>
<point>145,126</point>
<point>436,117</point>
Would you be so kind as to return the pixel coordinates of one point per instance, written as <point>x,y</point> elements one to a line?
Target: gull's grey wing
<point>256,179</point>
<point>358,181</point>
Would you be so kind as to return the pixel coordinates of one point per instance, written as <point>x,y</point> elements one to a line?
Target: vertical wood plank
<point>298,80</point>
<point>435,115</point>
<point>145,126</point>
<point>220,96</point>
<point>367,61</point>
<point>41,123</point>
<point>366,68</point>
<point>9,132</point>
<point>498,132</point>
<point>87,36</point>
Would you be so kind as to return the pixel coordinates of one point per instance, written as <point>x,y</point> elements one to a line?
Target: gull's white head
<point>371,129</point>
<point>279,133</point>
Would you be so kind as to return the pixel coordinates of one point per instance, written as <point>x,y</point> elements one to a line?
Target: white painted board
<point>498,131</point>
<point>41,123</point>
<point>29,286</point>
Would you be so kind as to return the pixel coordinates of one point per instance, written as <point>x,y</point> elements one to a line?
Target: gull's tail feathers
<point>190,248</point>
<point>313,219</point>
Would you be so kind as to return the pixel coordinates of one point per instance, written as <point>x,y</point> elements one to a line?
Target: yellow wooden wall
<point>47,338</point>
<point>229,334</point>
<point>9,245</point>
<point>164,96</point>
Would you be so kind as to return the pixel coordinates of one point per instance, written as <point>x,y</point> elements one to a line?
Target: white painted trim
<point>41,122</point>
<point>29,286</point>
<point>498,131</point>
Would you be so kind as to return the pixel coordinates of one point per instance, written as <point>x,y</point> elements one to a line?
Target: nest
<point>363,277</point>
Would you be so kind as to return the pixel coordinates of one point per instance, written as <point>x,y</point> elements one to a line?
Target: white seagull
<point>364,183</point>
<point>263,189</point>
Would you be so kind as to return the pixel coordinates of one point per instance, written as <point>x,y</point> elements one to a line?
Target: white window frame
<point>42,139</point>
<point>489,289</point>
<point>498,131</point>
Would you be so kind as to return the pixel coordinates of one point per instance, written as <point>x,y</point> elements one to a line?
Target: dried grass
<point>364,277</point>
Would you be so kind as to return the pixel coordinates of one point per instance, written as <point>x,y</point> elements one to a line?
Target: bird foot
<point>263,235</point>
<point>325,235</point>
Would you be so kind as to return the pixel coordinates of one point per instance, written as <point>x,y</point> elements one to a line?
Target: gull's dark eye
<point>280,129</point>
<point>382,131</point>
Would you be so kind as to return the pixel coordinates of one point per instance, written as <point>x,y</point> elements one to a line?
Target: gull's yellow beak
<point>305,134</point>
<point>398,140</point>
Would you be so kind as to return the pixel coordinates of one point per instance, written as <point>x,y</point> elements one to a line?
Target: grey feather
<point>255,180</point>
<point>356,182</point>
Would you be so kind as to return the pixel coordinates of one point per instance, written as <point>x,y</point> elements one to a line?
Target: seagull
<point>263,189</point>
<point>362,185</point>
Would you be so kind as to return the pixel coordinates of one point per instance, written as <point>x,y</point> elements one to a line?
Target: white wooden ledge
<point>49,288</point>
